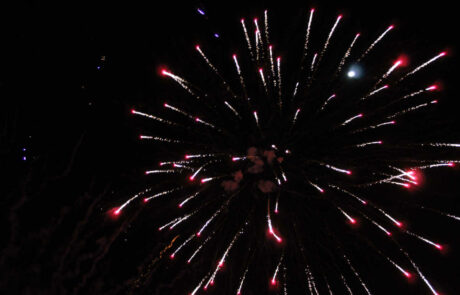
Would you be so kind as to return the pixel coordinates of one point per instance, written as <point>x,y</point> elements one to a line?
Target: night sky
<point>70,152</point>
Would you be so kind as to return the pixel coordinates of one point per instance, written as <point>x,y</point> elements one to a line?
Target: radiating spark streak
<point>199,156</point>
<point>243,277</point>
<point>198,48</point>
<point>182,219</point>
<point>270,227</point>
<point>387,232</point>
<point>204,180</point>
<point>424,65</point>
<point>311,281</point>
<point>396,222</point>
<point>284,176</point>
<point>162,139</point>
<point>375,92</point>
<point>170,171</point>
<point>181,246</point>
<point>345,284</point>
<point>276,205</point>
<point>262,77</point>
<point>357,275</point>
<point>222,259</point>
<point>326,44</point>
<point>119,209</point>
<point>425,280</point>
<point>448,164</point>
<point>197,171</point>
<point>307,37</point>
<point>205,123</point>
<point>178,110</point>
<point>427,89</point>
<point>266,26</point>
<point>316,186</point>
<point>375,126</point>
<point>351,119</point>
<point>278,62</point>
<point>369,143</point>
<point>375,42</point>
<point>257,118</point>
<point>273,281</point>
<point>153,117</point>
<point>188,199</point>
<point>295,116</point>
<point>402,270</point>
<point>258,35</point>
<point>351,219</point>
<point>327,101</point>
<point>399,183</point>
<point>238,70</point>
<point>181,81</point>
<point>232,109</point>
<point>295,89</point>
<point>199,285</point>
<point>199,248</point>
<point>272,65</point>
<point>364,202</point>
<point>247,37</point>
<point>411,109</point>
<point>390,70</point>
<point>436,245</point>
<point>336,169</point>
<point>284,279</point>
<point>347,53</point>
<point>203,227</point>
<point>312,67</point>
<point>442,144</point>
<point>162,194</point>
<point>328,287</point>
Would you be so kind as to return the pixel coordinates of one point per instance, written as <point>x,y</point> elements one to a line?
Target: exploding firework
<point>272,167</point>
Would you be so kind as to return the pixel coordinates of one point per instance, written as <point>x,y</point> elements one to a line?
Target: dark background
<point>69,110</point>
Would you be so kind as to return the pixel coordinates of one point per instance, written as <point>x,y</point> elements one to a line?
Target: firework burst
<point>277,165</point>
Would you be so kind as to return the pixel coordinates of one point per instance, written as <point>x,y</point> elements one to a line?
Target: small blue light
<point>216,35</point>
<point>23,149</point>
<point>355,71</point>
<point>200,11</point>
<point>24,158</point>
<point>98,67</point>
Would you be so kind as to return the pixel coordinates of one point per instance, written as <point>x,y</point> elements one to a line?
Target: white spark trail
<point>375,42</point>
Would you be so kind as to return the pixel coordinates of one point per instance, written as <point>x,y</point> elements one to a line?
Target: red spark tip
<point>221,264</point>
<point>140,136</point>
<point>261,70</point>
<point>432,87</point>
<point>273,282</point>
<point>391,27</point>
<point>443,53</point>
<point>398,224</point>
<point>164,72</point>
<point>233,159</point>
<point>242,20</point>
<point>380,142</point>
<point>389,234</point>
<point>385,86</point>
<point>393,122</point>
<point>278,58</point>
<point>171,256</point>
<point>133,111</point>
<point>234,55</point>
<point>165,104</point>
<point>238,293</point>
<point>451,164</point>
<point>197,47</point>
<point>198,234</point>
<point>435,101</point>
<point>203,180</point>
<point>407,274</point>
<point>398,62</point>
<point>438,246</point>
<point>205,288</point>
<point>364,202</point>
<point>255,19</point>
<point>348,172</point>
<point>146,200</point>
<point>340,16</point>
<point>117,212</point>
<point>270,46</point>
<point>276,211</point>
<point>146,173</point>
<point>352,221</point>
<point>197,119</point>
<point>212,283</point>
<point>186,157</point>
<point>312,10</point>
<point>180,205</point>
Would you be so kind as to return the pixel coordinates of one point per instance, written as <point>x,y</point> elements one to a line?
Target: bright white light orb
<point>351,74</point>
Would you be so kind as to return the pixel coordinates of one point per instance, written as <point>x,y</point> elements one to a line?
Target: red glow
<point>242,20</point>
<point>197,119</point>
<point>133,111</point>
<point>198,234</point>
<point>407,274</point>
<point>352,221</point>
<point>273,282</point>
<point>270,46</point>
<point>261,70</point>
<point>203,180</point>
<point>438,246</point>
<point>391,27</point>
<point>186,157</point>
<point>171,256</point>
<point>221,263</point>
<point>146,200</point>
<point>443,53</point>
<point>393,122</point>
<point>434,101</point>
<point>180,205</point>
<point>197,47</point>
<point>432,87</point>
<point>340,16</point>
<point>255,20</point>
<point>279,240</point>
<point>406,185</point>
<point>117,212</point>
<point>191,178</point>
<point>234,56</point>
<point>212,283</point>
<point>348,172</point>
<point>312,10</point>
<point>451,164</point>
<point>164,72</point>
<point>364,202</point>
<point>165,104</point>
<point>388,234</point>
<point>398,224</point>
<point>276,211</point>
<point>278,58</point>
<point>358,34</point>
